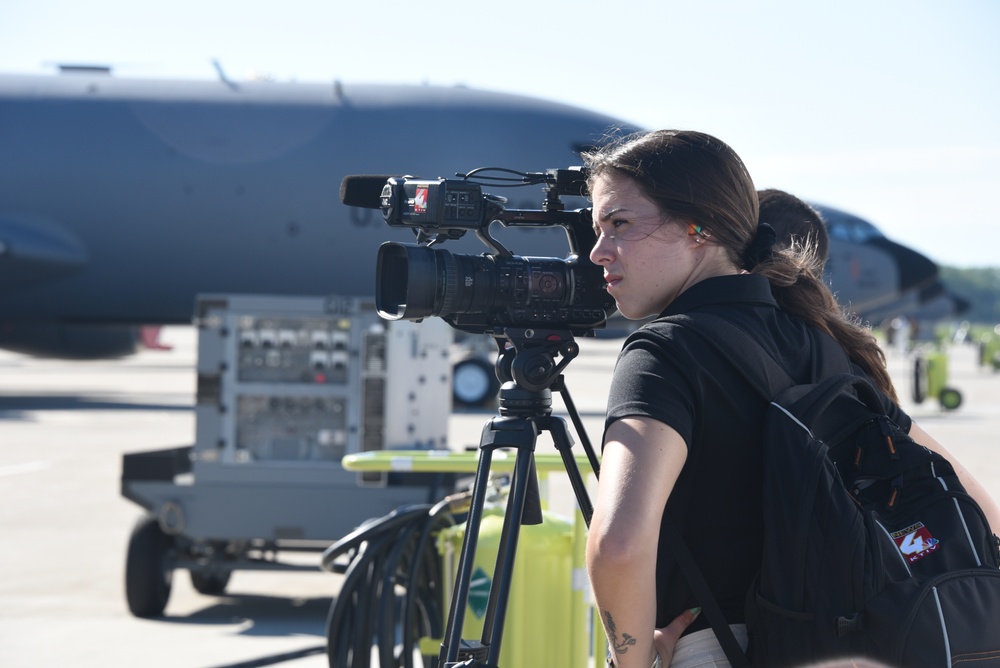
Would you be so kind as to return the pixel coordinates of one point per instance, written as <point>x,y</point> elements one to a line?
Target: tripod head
<point>528,369</point>
<point>534,359</point>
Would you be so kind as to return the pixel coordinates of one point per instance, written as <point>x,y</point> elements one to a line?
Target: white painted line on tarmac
<point>26,467</point>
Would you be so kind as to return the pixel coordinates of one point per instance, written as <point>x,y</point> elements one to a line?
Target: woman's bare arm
<point>640,464</point>
<point>972,486</point>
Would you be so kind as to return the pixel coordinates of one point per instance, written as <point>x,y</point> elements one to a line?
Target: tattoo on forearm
<point>620,646</point>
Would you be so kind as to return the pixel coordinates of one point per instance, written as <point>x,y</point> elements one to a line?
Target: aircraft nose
<point>915,269</point>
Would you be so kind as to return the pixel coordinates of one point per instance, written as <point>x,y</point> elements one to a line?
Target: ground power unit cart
<point>287,386</point>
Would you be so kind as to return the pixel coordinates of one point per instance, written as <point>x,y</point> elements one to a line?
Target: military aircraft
<point>121,200</point>
<point>877,278</point>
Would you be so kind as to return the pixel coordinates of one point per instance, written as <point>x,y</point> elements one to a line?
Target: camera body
<point>439,204</point>
<point>497,290</point>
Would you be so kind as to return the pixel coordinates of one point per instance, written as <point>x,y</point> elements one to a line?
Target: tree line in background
<point>981,286</point>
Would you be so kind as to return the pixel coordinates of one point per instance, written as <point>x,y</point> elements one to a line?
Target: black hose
<point>427,575</point>
<point>387,606</point>
<point>392,589</point>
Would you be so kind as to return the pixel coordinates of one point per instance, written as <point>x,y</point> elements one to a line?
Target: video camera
<point>493,291</point>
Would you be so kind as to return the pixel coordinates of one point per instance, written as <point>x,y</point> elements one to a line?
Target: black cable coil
<point>391,596</point>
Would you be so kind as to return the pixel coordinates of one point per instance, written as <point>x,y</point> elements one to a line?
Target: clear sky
<point>889,109</point>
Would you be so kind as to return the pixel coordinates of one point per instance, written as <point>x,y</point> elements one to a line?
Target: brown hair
<point>794,221</point>
<point>696,178</point>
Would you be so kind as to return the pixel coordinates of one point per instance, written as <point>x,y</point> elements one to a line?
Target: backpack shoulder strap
<point>760,369</point>
<point>699,587</point>
<point>768,377</point>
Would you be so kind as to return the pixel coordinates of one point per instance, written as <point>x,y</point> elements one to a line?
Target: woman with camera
<point>676,217</point>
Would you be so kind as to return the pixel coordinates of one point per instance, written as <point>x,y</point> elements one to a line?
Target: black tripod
<point>529,371</point>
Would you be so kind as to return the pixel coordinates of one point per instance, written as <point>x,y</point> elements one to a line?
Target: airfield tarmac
<point>64,525</point>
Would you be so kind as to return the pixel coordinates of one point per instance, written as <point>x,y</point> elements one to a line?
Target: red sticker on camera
<point>420,201</point>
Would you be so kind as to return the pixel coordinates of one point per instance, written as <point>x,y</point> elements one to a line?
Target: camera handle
<point>529,371</point>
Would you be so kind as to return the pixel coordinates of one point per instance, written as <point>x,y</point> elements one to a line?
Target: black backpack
<point>871,547</point>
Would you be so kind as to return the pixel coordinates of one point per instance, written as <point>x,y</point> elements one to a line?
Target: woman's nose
<point>601,252</point>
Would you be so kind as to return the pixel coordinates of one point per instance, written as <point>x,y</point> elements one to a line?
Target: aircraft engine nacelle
<point>76,342</point>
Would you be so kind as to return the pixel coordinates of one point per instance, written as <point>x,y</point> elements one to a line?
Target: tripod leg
<point>463,578</point>
<point>519,434</point>
<point>574,415</point>
<point>563,443</point>
<point>496,612</point>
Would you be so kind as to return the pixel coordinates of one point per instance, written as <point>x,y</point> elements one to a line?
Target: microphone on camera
<point>363,190</point>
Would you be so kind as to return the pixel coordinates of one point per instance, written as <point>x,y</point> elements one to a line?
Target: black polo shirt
<point>668,372</point>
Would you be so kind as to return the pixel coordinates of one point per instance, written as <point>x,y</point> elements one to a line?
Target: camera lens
<point>415,282</point>
<point>393,296</point>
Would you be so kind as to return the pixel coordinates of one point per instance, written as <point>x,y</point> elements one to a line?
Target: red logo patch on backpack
<point>915,541</point>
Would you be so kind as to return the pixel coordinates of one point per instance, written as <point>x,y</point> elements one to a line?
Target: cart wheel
<point>148,568</point>
<point>210,583</point>
<point>950,398</point>
<point>474,382</point>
